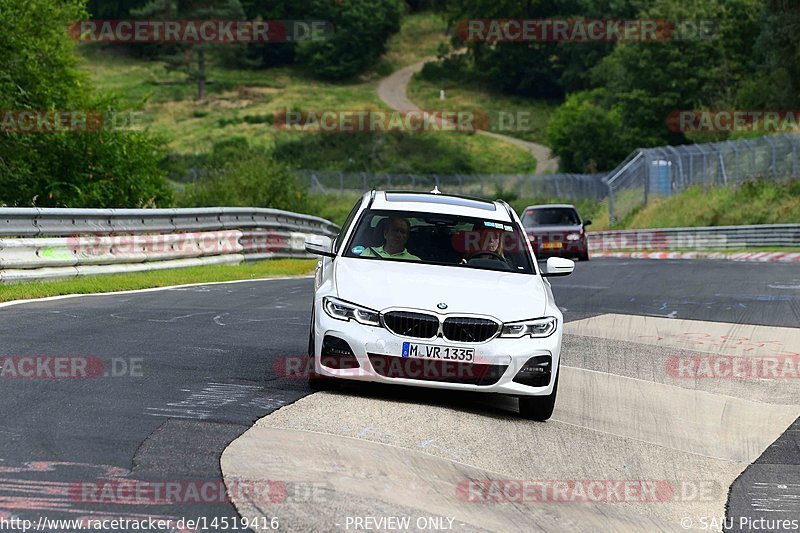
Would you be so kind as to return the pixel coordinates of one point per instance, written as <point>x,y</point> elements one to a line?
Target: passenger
<point>492,242</point>
<point>395,236</point>
<point>484,240</point>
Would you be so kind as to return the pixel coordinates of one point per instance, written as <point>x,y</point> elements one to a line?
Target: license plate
<point>439,353</point>
<point>551,245</point>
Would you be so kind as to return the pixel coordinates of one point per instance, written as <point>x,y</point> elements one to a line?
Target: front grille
<point>465,329</point>
<point>432,370</point>
<point>409,324</point>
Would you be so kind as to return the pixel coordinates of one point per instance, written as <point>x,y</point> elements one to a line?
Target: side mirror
<point>558,266</point>
<point>319,245</point>
<point>586,223</point>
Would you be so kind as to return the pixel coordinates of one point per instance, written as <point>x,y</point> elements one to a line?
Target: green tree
<point>274,54</point>
<point>191,58</point>
<point>361,30</point>
<point>112,9</point>
<point>38,72</point>
<point>575,61</point>
<point>650,80</point>
<point>524,68</point>
<point>777,59</point>
<point>585,136</point>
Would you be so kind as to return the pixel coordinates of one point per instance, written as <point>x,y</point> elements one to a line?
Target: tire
<point>319,383</point>
<point>538,407</point>
<point>315,381</point>
<point>584,256</point>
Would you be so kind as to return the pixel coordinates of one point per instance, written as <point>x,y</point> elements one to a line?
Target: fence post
<point>705,167</point>
<point>677,166</point>
<point>773,160</point>
<point>723,169</point>
<point>648,162</point>
<point>610,203</point>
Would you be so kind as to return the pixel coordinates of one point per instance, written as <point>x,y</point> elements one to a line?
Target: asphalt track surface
<point>203,362</point>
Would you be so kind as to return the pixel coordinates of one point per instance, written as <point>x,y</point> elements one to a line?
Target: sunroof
<point>440,199</point>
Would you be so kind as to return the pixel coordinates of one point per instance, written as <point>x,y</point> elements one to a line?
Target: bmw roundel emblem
<point>442,305</point>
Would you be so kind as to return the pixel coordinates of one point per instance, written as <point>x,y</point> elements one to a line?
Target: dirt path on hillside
<point>393,91</point>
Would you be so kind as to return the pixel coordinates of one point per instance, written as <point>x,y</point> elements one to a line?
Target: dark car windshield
<point>438,239</point>
<point>551,216</point>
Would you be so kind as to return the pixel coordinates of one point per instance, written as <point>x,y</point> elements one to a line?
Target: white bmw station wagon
<point>439,291</point>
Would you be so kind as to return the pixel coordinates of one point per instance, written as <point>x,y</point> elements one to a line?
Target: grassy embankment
<point>752,202</point>
<point>242,102</point>
<point>514,116</point>
<point>159,278</point>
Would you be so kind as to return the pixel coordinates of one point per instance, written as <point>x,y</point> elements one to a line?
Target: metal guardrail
<point>702,238</point>
<point>48,243</point>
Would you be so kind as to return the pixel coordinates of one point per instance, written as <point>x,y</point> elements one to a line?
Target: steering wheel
<point>493,255</point>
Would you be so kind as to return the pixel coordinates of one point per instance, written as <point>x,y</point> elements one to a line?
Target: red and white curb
<point>759,257</point>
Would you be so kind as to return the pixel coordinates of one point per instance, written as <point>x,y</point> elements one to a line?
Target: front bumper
<point>569,249</point>
<point>378,352</point>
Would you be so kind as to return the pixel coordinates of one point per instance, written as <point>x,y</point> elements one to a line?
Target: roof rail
<point>508,208</point>
<point>423,193</point>
<point>371,198</point>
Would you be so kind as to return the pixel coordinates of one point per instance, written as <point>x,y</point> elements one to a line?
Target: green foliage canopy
<point>105,168</point>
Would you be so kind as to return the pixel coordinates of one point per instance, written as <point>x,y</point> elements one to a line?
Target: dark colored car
<point>556,230</point>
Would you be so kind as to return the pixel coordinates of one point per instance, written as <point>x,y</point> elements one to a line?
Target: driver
<point>396,237</point>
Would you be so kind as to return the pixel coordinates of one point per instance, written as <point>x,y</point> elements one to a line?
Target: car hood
<point>381,284</point>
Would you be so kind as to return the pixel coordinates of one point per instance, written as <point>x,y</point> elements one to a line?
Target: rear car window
<point>551,216</point>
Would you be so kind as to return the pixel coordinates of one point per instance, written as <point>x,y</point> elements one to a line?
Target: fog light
<point>337,354</point>
<point>535,372</point>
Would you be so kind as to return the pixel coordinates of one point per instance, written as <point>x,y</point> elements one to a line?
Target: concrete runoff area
<point>359,478</point>
<point>621,415</point>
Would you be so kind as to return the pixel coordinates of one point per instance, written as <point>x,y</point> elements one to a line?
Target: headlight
<point>538,327</point>
<point>341,310</point>
<point>573,237</point>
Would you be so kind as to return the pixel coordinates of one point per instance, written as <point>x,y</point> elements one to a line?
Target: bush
<point>252,179</point>
<point>187,168</point>
<point>451,68</point>
<point>585,136</point>
<point>399,152</point>
<point>259,119</point>
<point>99,169</point>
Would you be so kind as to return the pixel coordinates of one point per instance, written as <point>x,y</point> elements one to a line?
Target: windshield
<point>437,239</point>
<point>551,216</point>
